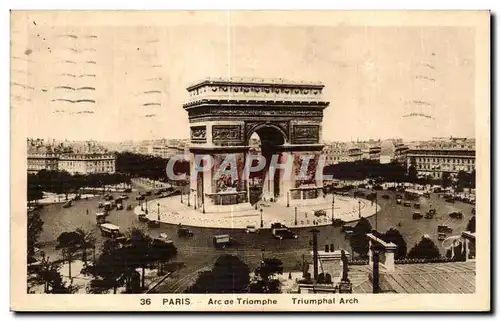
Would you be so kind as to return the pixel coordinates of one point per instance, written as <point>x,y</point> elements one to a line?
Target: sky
<point>128,81</point>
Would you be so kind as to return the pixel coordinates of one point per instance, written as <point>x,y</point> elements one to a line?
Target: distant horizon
<point>47,139</point>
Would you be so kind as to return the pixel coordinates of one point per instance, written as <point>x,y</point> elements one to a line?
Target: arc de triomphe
<point>223,115</point>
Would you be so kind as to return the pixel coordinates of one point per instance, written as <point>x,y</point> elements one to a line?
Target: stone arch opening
<point>265,140</point>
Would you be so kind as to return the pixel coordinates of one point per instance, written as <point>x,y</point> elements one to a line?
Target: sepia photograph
<point>250,160</point>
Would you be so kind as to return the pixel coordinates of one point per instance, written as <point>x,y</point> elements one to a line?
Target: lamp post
<point>359,209</point>
<point>261,221</point>
<point>376,214</point>
<point>333,208</point>
<point>189,197</point>
<point>182,192</point>
<point>195,200</point>
<point>146,201</point>
<point>158,210</point>
<point>287,199</point>
<point>295,215</point>
<point>263,257</point>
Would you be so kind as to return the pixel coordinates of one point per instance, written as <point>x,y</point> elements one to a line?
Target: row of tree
<point>148,166</point>
<point>62,182</point>
<point>363,169</point>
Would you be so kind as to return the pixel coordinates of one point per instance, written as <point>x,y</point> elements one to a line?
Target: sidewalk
<point>172,211</point>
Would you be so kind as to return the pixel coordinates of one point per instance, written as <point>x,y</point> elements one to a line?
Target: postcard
<point>250,161</point>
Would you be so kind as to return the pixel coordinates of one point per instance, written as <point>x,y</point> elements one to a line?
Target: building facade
<point>434,158</point>
<point>87,163</point>
<point>42,161</point>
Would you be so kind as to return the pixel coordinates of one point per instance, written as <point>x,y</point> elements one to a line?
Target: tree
<point>228,275</point>
<point>359,240</point>
<point>140,251</point>
<point>35,228</point>
<point>425,249</point>
<point>471,225</point>
<point>46,273</point>
<point>264,277</point>
<point>68,243</point>
<point>394,236</point>
<point>412,174</point>
<point>86,241</point>
<point>446,180</point>
<point>108,272</point>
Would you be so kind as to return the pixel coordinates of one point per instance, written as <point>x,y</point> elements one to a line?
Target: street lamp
<point>263,250</point>
<point>295,215</point>
<point>333,207</point>
<point>146,201</point>
<point>359,209</point>
<point>158,210</point>
<point>189,197</point>
<point>181,196</point>
<point>287,199</point>
<point>261,221</point>
<point>376,214</point>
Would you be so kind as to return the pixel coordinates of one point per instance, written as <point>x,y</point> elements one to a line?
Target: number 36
<point>145,301</point>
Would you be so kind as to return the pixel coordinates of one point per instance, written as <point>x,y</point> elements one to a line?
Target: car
<point>129,207</point>
<point>165,237</point>
<point>182,232</point>
<point>441,236</point>
<point>277,225</point>
<point>221,241</point>
<point>140,197</point>
<point>416,205</point>
<point>100,205</point>
<point>417,216</point>
<point>127,190</point>
<point>251,229</point>
<point>124,197</point>
<point>338,222</point>
<point>67,204</point>
<point>158,192</point>
<point>399,201</point>
<point>432,211</point>
<point>147,193</point>
<point>385,196</point>
<point>444,229</point>
<point>457,215</point>
<point>119,206</point>
<point>142,217</point>
<point>153,223</point>
<point>284,233</point>
<point>407,204</point>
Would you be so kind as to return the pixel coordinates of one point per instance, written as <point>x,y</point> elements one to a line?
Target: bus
<point>110,230</point>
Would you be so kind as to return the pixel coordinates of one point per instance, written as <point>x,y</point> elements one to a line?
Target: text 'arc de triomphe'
<point>223,115</point>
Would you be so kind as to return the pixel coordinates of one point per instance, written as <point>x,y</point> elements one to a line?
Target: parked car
<point>407,204</point>
<point>147,193</point>
<point>153,223</point>
<point>251,229</point>
<point>399,201</point>
<point>142,217</point>
<point>119,206</point>
<point>140,197</point>
<point>457,215</point>
<point>284,233</point>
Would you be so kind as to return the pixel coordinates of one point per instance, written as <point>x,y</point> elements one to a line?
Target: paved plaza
<point>172,211</point>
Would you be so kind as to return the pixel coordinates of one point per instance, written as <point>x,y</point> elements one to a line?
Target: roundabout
<point>171,210</point>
